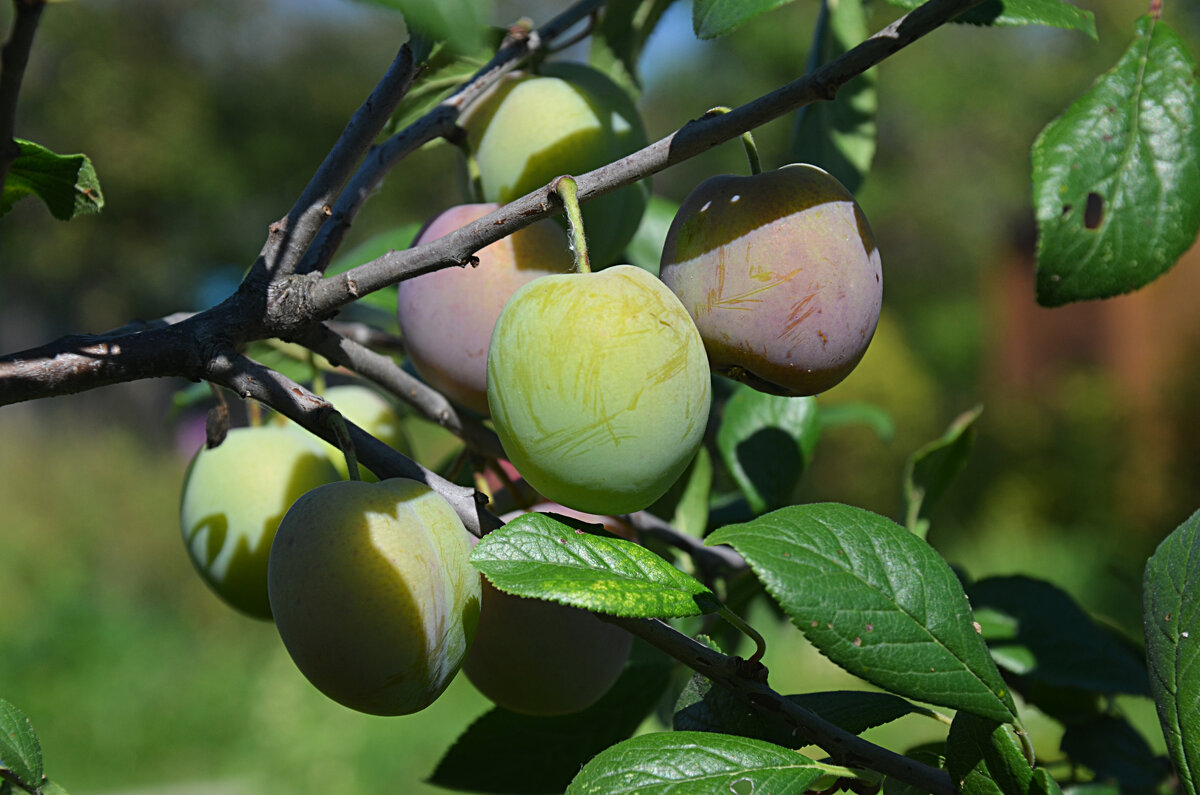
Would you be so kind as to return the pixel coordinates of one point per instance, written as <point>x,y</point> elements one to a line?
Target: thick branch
<point>13,58</point>
<point>384,371</point>
<point>739,677</point>
<point>252,380</point>
<point>692,139</point>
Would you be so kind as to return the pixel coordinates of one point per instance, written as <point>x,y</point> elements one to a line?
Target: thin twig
<point>718,559</point>
<point>13,58</point>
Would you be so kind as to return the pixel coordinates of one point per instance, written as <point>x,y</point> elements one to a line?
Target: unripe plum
<point>234,496</point>
<point>599,388</point>
<point>568,119</point>
<point>541,658</point>
<point>373,594</point>
<point>781,273</point>
<point>370,411</point>
<point>447,316</point>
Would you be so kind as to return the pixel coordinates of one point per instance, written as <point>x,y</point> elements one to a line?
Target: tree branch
<point>13,58</point>
<point>692,139</point>
<point>746,681</point>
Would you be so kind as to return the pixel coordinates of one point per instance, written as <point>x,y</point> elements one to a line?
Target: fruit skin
<point>781,273</point>
<point>540,658</point>
<point>234,497</point>
<point>447,345</point>
<point>373,594</point>
<point>599,388</point>
<point>370,411</point>
<point>568,119</point>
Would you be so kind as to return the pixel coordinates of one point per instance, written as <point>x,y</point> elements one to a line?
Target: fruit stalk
<point>568,193</point>
<point>345,444</point>
<point>747,141</point>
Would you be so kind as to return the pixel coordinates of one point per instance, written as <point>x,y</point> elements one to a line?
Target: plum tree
<point>372,593</point>
<point>540,658</point>
<point>567,119</point>
<point>599,388</point>
<point>781,274</point>
<point>447,346</point>
<point>234,496</point>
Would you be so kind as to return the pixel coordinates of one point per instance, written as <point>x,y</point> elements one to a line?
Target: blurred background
<point>204,121</point>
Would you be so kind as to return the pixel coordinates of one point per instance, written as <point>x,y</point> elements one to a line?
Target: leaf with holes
<point>1116,177</point>
<point>1171,621</point>
<point>538,557</point>
<point>876,600</point>
<point>679,763</point>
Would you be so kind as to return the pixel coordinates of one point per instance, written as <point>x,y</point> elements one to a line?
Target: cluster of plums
<point>598,385</point>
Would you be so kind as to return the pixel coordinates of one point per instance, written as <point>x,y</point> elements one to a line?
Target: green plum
<point>448,346</point>
<point>599,388</point>
<point>567,119</point>
<point>234,496</point>
<point>373,594</point>
<point>540,658</point>
<point>370,411</point>
<point>781,273</point>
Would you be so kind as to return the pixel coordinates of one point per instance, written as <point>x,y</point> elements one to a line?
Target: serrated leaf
<point>1114,750</point>
<point>374,247</point>
<point>1036,630</point>
<point>20,750</point>
<point>504,752</point>
<point>984,758</point>
<point>1009,13</point>
<point>874,417</point>
<point>66,183</point>
<point>766,442</point>
<point>682,763</point>
<point>839,136</point>
<point>691,512</point>
<point>704,707</point>
<point>1171,619</point>
<point>1116,177</point>
<point>932,467</point>
<point>876,600</point>
<point>536,556</point>
<point>712,18</point>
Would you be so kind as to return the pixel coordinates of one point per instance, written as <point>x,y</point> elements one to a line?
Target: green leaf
<point>1009,13</point>
<point>681,763</point>
<point>713,18</point>
<point>766,442</point>
<point>443,71</point>
<point>620,35</point>
<point>1113,750</point>
<point>504,752</point>
<point>984,758</point>
<point>839,136</point>
<point>646,248</point>
<point>704,707</point>
<point>1116,177</point>
<point>396,239</point>
<point>876,600</point>
<point>691,512</point>
<point>538,557</point>
<point>461,24</point>
<point>874,417</point>
<point>20,751</point>
<point>66,183</point>
<point>52,788</point>
<point>1171,617</point>
<point>932,754</point>
<point>1036,630</point>
<point>931,468</point>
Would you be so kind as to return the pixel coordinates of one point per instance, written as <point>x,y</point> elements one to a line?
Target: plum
<point>781,274</point>
<point>447,316</point>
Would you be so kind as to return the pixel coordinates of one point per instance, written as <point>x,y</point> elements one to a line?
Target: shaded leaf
<point>713,18</point>
<point>20,750</point>
<point>691,512</point>
<point>504,752</point>
<point>66,183</point>
<point>874,417</point>
<point>678,763</point>
<point>1116,177</point>
<point>931,469</point>
<point>1115,751</point>
<point>1171,619</point>
<point>536,556</point>
<point>766,442</point>
<point>839,136</point>
<point>1008,13</point>
<point>876,600</point>
<point>932,754</point>
<point>620,35</point>
<point>984,758</point>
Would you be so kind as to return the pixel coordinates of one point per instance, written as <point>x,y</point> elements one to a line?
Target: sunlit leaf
<point>66,183</point>
<point>1007,13</point>
<point>20,751</point>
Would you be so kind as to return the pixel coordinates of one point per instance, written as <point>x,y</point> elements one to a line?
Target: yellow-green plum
<point>372,593</point>
<point>599,388</point>
<point>234,496</point>
<point>567,119</point>
<point>541,658</point>
<point>781,273</point>
<point>370,411</point>
<point>447,316</point>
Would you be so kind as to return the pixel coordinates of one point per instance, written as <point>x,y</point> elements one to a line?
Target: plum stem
<point>568,193</point>
<point>760,645</point>
<point>345,444</point>
<point>747,142</point>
